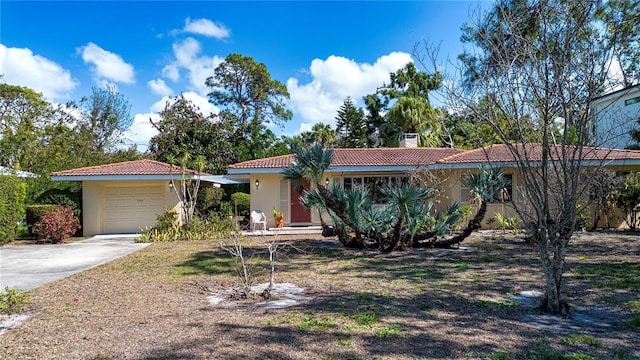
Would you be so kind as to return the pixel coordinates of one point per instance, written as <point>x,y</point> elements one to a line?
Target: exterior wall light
<point>170,185</point>
<point>326,182</point>
<point>257,184</point>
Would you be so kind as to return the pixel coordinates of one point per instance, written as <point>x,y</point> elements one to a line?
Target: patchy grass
<point>418,304</point>
<point>575,339</point>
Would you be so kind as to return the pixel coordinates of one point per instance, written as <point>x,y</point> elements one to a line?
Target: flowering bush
<point>57,225</point>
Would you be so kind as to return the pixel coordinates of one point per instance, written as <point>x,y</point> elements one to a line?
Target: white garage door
<point>131,208</point>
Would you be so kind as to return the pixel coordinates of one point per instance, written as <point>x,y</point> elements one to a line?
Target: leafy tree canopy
<point>105,116</point>
<point>249,100</point>
<point>182,129</point>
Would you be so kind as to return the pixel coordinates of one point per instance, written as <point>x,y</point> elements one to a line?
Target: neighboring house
<point>18,173</point>
<point>374,166</point>
<point>125,197</point>
<point>616,114</point>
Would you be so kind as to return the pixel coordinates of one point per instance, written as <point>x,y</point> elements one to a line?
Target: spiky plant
<point>407,201</point>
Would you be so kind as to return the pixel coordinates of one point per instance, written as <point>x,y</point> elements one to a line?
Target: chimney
<point>409,140</point>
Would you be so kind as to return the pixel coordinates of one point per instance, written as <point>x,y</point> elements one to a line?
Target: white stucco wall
<point>93,202</point>
<point>266,196</point>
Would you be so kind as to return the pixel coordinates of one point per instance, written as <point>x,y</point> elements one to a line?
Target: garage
<point>126,197</point>
<point>131,208</point>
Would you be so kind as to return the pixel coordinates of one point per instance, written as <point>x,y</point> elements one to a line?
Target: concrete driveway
<point>29,266</point>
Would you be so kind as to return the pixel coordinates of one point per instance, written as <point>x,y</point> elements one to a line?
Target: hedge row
<point>13,192</point>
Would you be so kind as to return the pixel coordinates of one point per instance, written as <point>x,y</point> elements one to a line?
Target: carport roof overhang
<point>206,178</point>
<point>215,179</point>
<point>224,179</point>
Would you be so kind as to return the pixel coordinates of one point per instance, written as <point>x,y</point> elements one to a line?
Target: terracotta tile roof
<point>362,157</point>
<point>281,161</point>
<point>138,167</point>
<point>501,153</point>
<point>391,156</point>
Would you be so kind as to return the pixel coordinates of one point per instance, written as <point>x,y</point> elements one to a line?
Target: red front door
<point>298,213</point>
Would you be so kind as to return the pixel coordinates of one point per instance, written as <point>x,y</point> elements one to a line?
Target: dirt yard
<point>475,302</point>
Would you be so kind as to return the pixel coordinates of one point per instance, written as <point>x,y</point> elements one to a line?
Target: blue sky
<point>153,50</point>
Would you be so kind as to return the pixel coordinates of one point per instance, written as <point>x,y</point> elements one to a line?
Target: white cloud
<point>336,78</point>
<point>206,27</point>
<point>171,72</point>
<point>206,108</point>
<point>202,102</point>
<point>141,131</point>
<point>198,68</point>
<point>19,66</point>
<point>106,65</point>
<point>159,87</point>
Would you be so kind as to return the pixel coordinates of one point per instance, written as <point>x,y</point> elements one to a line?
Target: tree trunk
<point>395,239</point>
<point>596,217</point>
<point>553,265</point>
<point>419,239</point>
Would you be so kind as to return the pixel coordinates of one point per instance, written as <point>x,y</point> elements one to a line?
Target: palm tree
<point>189,184</point>
<point>415,115</point>
<point>323,134</point>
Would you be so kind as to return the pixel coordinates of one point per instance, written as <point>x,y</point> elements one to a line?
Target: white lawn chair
<point>258,217</point>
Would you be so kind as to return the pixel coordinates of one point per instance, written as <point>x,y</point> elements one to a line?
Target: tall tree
<point>23,115</point>
<point>409,82</point>
<point>106,115</point>
<point>249,100</point>
<point>323,134</point>
<point>375,107</point>
<point>622,19</point>
<point>534,65</point>
<point>182,129</point>
<point>36,136</point>
<point>350,126</point>
<point>411,112</point>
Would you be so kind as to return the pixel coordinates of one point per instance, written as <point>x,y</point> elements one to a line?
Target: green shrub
<point>12,301</point>
<point>226,208</point>
<point>13,192</point>
<point>512,223</point>
<point>209,199</point>
<point>64,197</point>
<point>166,220</point>
<point>212,228</point>
<point>57,225</point>
<point>242,201</point>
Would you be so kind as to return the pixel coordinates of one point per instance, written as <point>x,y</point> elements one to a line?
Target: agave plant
<point>407,201</point>
<point>407,219</point>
